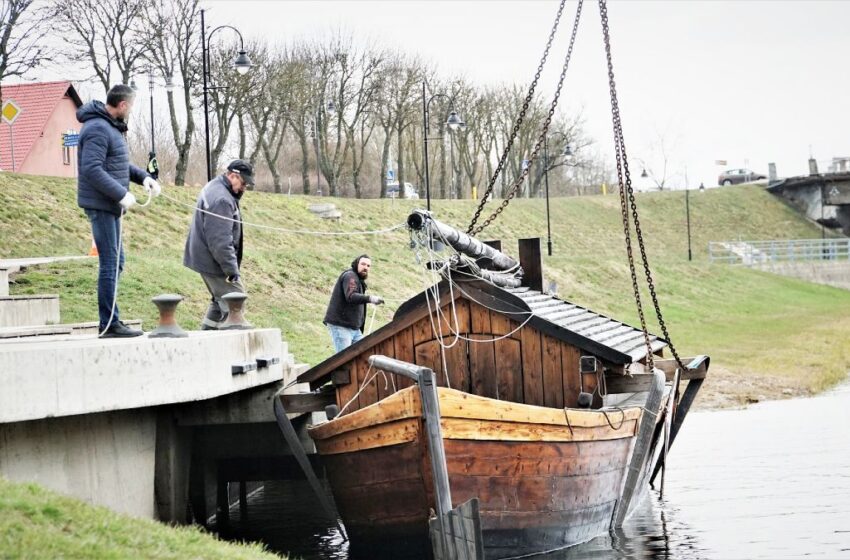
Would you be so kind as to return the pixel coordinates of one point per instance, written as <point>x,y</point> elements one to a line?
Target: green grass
<point>750,322</point>
<point>38,523</point>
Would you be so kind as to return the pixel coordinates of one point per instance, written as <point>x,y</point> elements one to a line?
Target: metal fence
<point>752,253</point>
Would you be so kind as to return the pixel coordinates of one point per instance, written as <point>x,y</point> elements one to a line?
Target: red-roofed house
<point>47,110</point>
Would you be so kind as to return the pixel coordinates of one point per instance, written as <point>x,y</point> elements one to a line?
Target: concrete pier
<point>123,422</point>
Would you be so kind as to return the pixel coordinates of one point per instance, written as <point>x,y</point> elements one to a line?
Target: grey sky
<point>745,81</point>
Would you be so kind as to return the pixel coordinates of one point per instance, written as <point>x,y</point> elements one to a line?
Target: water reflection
<point>772,481</point>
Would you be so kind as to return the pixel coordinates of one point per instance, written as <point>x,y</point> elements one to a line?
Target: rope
<point>567,417</point>
<point>284,230</point>
<point>622,419</point>
<point>366,380</point>
<point>372,320</point>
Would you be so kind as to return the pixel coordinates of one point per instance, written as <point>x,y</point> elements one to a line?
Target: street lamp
<point>568,152</point>
<point>242,64</point>
<point>453,122</point>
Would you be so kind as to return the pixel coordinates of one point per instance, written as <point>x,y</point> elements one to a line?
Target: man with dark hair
<point>214,246</point>
<point>346,314</point>
<point>103,192</point>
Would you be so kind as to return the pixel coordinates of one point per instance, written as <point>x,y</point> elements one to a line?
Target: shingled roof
<point>587,328</point>
<point>37,102</point>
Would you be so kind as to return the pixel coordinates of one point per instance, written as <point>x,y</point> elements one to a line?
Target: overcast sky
<point>749,82</point>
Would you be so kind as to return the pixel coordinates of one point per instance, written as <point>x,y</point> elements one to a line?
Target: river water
<point>771,481</point>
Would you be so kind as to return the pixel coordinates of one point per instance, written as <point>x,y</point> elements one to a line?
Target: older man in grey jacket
<point>214,246</point>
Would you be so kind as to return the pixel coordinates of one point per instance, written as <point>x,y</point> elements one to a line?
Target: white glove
<point>376,300</point>
<point>151,186</point>
<point>127,201</point>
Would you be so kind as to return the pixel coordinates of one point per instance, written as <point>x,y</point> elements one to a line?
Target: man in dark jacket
<point>346,314</point>
<point>103,192</point>
<point>214,246</point>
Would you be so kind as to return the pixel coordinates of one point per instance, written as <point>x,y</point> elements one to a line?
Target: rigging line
<point>620,144</point>
<point>527,102</point>
<point>366,380</point>
<point>540,139</point>
<point>623,176</point>
<point>438,336</point>
<point>622,418</point>
<point>284,230</point>
<point>567,417</point>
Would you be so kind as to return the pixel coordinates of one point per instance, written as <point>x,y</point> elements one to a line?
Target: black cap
<point>245,169</point>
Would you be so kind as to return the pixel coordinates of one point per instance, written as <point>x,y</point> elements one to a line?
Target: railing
<point>754,253</point>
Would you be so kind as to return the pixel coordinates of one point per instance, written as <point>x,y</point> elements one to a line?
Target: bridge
<point>823,198</point>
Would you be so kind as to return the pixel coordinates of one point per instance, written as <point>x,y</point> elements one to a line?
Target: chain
<point>626,192</point>
<point>540,139</point>
<point>529,96</point>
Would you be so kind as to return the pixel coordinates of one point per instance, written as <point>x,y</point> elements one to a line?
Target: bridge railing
<point>754,253</point>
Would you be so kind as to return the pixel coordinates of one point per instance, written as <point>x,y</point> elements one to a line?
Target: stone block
<point>29,311</point>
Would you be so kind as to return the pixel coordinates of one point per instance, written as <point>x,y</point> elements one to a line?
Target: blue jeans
<point>104,228</point>
<point>343,337</point>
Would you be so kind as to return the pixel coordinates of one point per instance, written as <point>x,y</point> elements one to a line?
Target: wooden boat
<point>547,474</point>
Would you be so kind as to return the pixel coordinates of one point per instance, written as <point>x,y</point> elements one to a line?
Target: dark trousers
<point>104,228</point>
<point>217,310</point>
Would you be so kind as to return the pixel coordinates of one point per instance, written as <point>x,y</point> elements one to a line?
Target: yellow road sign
<point>10,111</point>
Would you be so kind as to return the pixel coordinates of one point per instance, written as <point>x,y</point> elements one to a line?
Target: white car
<point>409,190</point>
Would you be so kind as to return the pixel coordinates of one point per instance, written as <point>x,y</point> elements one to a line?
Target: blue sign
<point>70,140</point>
<point>390,175</point>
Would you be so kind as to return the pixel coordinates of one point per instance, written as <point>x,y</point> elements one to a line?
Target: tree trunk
<point>385,154</point>
<point>400,176</point>
<point>305,163</point>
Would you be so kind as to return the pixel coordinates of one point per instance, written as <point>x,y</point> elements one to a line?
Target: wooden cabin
<point>530,349</point>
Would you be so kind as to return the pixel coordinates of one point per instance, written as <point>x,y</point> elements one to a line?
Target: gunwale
<point>397,419</point>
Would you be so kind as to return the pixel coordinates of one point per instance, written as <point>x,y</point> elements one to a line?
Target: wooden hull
<point>546,478</point>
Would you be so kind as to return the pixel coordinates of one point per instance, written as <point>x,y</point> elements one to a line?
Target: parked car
<point>737,176</point>
<point>409,190</point>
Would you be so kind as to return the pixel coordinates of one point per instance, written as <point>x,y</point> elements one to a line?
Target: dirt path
<point>726,389</point>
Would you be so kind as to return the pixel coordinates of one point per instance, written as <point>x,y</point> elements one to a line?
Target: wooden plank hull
<point>546,478</point>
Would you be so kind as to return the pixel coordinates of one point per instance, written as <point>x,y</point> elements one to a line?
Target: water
<point>771,481</point>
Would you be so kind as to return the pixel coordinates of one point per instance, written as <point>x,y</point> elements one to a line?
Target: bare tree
<point>396,109</point>
<point>268,107</point>
<point>104,33</point>
<point>174,36</point>
<point>23,30</point>
<point>357,120</point>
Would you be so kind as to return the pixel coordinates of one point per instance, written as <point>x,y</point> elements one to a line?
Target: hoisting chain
<point>626,191</point>
<point>515,131</point>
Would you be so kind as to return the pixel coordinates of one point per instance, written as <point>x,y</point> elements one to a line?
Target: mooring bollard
<point>235,316</point>
<point>168,327</point>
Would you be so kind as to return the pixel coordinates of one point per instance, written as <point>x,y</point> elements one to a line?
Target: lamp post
<point>242,64</point>
<point>153,165</point>
<point>453,121</point>
<point>566,153</point>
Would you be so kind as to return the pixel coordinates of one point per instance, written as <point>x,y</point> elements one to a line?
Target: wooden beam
<point>531,262</point>
<point>307,402</point>
<point>639,382</point>
<point>340,377</point>
<point>619,382</point>
<point>682,409</point>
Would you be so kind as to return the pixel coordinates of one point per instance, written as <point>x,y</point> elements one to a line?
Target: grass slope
<point>38,523</point>
<point>764,332</point>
